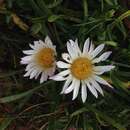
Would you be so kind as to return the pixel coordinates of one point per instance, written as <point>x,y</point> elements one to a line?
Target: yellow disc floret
<point>45,58</point>
<point>81,68</point>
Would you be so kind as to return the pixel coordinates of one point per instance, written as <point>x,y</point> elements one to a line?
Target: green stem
<point>85,4</point>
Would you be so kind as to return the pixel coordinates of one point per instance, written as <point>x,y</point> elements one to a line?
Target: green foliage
<point>41,106</point>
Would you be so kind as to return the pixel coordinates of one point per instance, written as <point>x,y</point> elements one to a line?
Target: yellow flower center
<point>45,58</point>
<point>81,68</point>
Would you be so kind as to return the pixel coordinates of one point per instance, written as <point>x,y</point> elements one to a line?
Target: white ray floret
<point>80,70</point>
<point>40,60</point>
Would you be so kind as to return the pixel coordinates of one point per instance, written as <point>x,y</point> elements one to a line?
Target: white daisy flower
<point>80,69</point>
<point>40,60</point>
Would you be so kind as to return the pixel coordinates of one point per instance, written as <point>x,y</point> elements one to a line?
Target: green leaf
<point>122,90</point>
<point>123,16</point>
<point>111,121</point>
<point>5,123</point>
<point>124,74</point>
<point>56,3</point>
<point>43,7</point>
<point>117,82</point>
<point>106,118</point>
<point>78,112</point>
<point>110,13</point>
<point>21,95</point>
<point>36,28</point>
<point>109,2</point>
<point>85,3</point>
<point>121,27</point>
<point>35,7</point>
<point>111,43</point>
<point>53,18</point>
<point>11,73</point>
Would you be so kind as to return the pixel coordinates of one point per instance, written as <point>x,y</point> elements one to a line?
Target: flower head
<point>40,60</point>
<point>80,69</point>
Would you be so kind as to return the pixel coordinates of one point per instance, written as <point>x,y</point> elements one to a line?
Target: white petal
<point>43,77</point>
<point>28,72</point>
<point>86,46</point>
<point>68,81</point>
<point>71,50</point>
<point>67,57</point>
<point>26,58</point>
<point>38,73</point>
<point>32,46</point>
<point>102,81</point>
<point>75,47</point>
<point>24,62</point>
<point>92,89</point>
<point>29,66</point>
<point>29,52</point>
<point>48,41</point>
<point>97,50</point>
<point>54,48</point>
<point>97,87</point>
<point>102,69</point>
<point>42,43</point>
<point>62,64</point>
<point>37,45</point>
<point>51,71</point>
<point>33,68</point>
<point>71,87</point>
<point>91,48</point>
<point>76,89</point>
<point>84,92</point>
<point>103,57</point>
<point>33,74</point>
<point>57,78</point>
